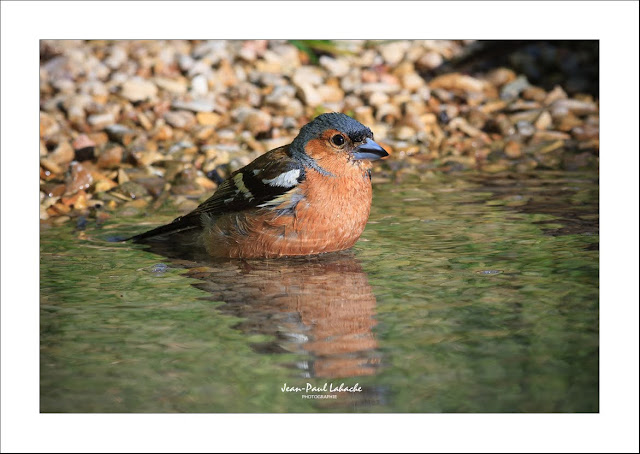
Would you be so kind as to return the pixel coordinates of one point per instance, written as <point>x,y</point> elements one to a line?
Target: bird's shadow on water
<point>320,307</point>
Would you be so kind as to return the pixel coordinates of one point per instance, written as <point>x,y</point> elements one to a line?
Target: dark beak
<point>369,150</point>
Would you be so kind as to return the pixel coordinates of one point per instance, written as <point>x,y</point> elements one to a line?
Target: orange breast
<point>330,217</point>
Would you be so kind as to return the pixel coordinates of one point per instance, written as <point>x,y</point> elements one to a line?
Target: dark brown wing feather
<point>243,190</point>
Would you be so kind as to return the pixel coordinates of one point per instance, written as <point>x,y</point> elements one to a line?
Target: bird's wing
<point>271,178</point>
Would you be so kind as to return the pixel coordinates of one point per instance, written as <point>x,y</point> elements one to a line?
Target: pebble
<point>196,105</point>
<point>280,96</point>
<point>294,109</point>
<point>514,88</point>
<point>144,121</point>
<point>80,177</point>
<point>430,60</point>
<point>336,67</point>
<point>99,138</point>
<point>412,81</point>
<point>117,57</point>
<point>84,148</point>
<point>132,189</point>
<point>110,157</point>
<point>543,136</point>
<point>574,106</point>
<point>404,133</point>
<point>43,213</point>
<point>525,128</point>
<point>456,81</point>
<point>122,176</point>
<point>100,121</point>
<point>163,133</point>
<point>256,121</point>
<point>53,190</point>
<point>330,94</point>
<point>63,153</point>
<point>586,132</point>
<point>155,185</point>
<point>61,220</point>
<point>364,114</point>
<point>64,86</point>
<point>544,121</point>
<point>462,125</point>
<point>104,185</point>
<point>307,75</point>
<point>121,134</point>
<point>394,52</point>
<point>501,76</point>
<point>527,116</point>
<point>77,106</point>
<point>368,89</point>
<point>564,121</point>
<point>199,85</point>
<point>554,95</point>
<point>309,95</point>
<point>388,113</point>
<point>50,165</point>
<point>378,98</point>
<point>78,201</point>
<point>288,56</point>
<point>493,106</point>
<point>175,86</point>
<point>180,119</point>
<point>48,125</point>
<point>208,118</point>
<point>138,89</point>
<point>534,94</point>
<point>546,147</point>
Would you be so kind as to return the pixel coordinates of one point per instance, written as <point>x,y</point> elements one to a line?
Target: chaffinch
<point>309,197</point>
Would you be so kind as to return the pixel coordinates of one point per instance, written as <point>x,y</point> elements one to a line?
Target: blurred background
<point>125,124</point>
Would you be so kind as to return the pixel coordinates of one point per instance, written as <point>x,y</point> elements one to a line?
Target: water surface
<point>467,293</point>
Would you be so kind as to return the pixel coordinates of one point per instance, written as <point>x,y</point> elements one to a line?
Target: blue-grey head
<point>341,134</point>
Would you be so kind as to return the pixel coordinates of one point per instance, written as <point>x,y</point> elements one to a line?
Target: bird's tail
<point>180,224</point>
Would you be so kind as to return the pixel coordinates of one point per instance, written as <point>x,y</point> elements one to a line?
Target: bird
<point>310,197</point>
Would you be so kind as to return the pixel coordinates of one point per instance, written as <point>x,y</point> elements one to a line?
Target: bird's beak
<point>369,150</point>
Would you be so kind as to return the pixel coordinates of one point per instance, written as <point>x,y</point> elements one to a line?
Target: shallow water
<point>466,293</point>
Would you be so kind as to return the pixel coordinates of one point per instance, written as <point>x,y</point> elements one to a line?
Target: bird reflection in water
<point>319,306</point>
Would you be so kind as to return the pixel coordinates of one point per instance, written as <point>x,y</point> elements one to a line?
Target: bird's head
<point>334,138</point>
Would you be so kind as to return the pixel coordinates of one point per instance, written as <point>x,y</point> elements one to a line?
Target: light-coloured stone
<point>330,94</point>
<point>176,86</point>
<point>199,85</point>
<point>180,119</point>
<point>138,89</point>
<point>99,121</point>
<point>308,75</point>
<point>378,98</point>
<point>544,120</point>
<point>457,81</point>
<point>412,81</point>
<point>196,105</point>
<point>338,67</point>
<point>430,60</point>
<point>394,52</point>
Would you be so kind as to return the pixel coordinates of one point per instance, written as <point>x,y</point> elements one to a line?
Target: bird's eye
<point>338,140</point>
